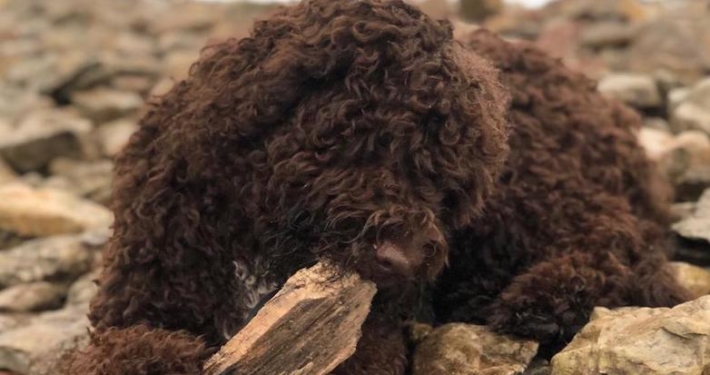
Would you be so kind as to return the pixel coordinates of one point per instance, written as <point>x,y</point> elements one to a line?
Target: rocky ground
<point>74,75</point>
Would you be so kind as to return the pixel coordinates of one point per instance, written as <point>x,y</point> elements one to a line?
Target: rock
<point>694,278</point>
<point>89,179</point>
<point>44,212</point>
<point>538,367</point>
<point>682,210</point>
<point>113,136</point>
<point>36,296</point>
<point>657,123</point>
<point>676,97</point>
<point>641,341</point>
<point>479,10</point>
<point>16,102</point>
<point>38,348</point>
<point>696,227</point>
<point>177,64</point>
<point>684,158</point>
<point>607,34</point>
<point>636,90</point>
<point>468,349</point>
<point>671,42</point>
<point>42,137</point>
<point>83,289</point>
<point>102,105</point>
<point>6,173</point>
<point>10,321</point>
<point>59,259</point>
<point>693,109</point>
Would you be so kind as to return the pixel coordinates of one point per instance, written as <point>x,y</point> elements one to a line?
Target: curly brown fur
<point>341,125</point>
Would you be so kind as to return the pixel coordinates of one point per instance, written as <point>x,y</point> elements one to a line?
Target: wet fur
<point>337,124</point>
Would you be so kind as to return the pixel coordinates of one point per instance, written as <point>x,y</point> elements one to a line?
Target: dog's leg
<point>554,298</point>
<point>139,350</point>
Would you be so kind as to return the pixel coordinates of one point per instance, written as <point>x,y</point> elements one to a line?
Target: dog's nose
<point>395,259</point>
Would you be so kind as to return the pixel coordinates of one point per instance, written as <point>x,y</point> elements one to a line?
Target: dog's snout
<point>395,259</point>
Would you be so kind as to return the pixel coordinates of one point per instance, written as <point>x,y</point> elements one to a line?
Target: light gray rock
<point>607,34</point>
<point>113,136</point>
<point>37,348</point>
<point>89,179</point>
<point>692,110</point>
<point>637,90</point>
<point>696,227</point>
<point>43,136</point>
<point>60,258</point>
<point>43,212</point>
<point>102,104</point>
<point>35,296</point>
<point>649,341</point>
<point>463,349</point>
<point>83,289</point>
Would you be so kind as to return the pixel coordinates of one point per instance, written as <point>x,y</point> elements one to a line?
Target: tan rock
<point>37,348</point>
<point>463,349</point>
<point>102,104</point>
<point>637,90</point>
<point>6,173</point>
<point>83,289</point>
<point>43,136</point>
<point>645,341</point>
<point>60,259</point>
<point>113,136</point>
<point>44,212</point>
<point>89,179</point>
<point>697,226</point>
<point>695,279</point>
<point>36,296</point>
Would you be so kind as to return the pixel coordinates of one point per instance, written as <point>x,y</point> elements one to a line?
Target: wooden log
<point>309,327</point>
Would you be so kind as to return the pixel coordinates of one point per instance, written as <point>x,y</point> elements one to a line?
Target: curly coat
<point>341,124</point>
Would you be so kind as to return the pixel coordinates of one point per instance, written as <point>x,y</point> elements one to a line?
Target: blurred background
<point>74,75</point>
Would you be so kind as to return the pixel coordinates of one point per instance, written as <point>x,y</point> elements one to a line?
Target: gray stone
<point>696,227</point>
<point>691,108</point>
<point>89,179</point>
<point>44,212</point>
<point>649,341</point>
<point>37,348</point>
<point>35,296</point>
<point>83,289</point>
<point>60,258</point>
<point>637,90</point>
<point>102,105</point>
<point>42,137</point>
<point>607,34</point>
<point>113,136</point>
<point>463,349</point>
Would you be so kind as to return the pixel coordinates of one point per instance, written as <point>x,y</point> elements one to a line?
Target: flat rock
<point>83,289</point>
<point>692,110</point>
<point>607,34</point>
<point>113,136</point>
<point>102,104</point>
<point>6,173</point>
<point>697,226</point>
<point>35,296</point>
<point>637,90</point>
<point>88,179</point>
<point>37,348</point>
<point>695,279</point>
<point>43,136</point>
<point>463,349</point>
<point>645,341</point>
<point>57,259</point>
<point>43,212</point>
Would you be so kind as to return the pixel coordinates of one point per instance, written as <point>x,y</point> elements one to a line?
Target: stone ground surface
<point>74,75</point>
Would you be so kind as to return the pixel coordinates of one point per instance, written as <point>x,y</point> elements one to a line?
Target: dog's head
<point>381,134</point>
